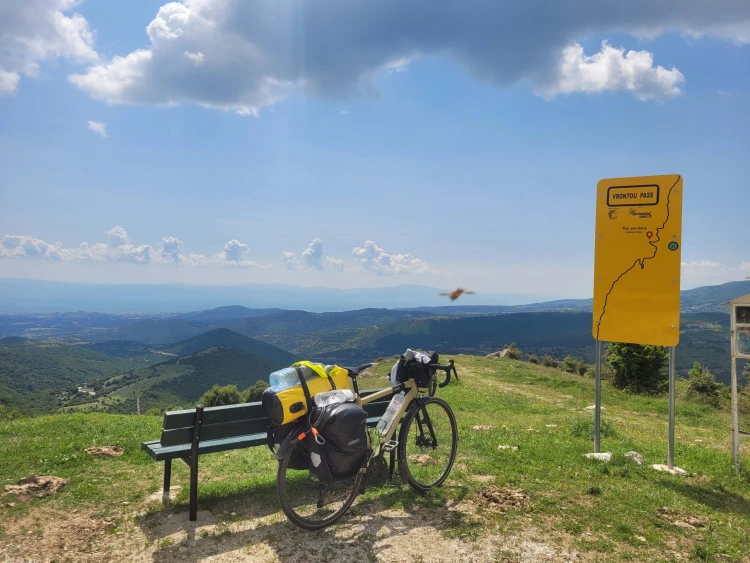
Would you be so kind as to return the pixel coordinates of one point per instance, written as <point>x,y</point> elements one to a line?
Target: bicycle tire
<point>293,516</point>
<point>404,466</point>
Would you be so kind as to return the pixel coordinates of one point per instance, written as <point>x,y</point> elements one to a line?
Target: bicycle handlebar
<point>447,369</point>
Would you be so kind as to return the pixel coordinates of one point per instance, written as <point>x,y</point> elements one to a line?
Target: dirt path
<point>369,534</point>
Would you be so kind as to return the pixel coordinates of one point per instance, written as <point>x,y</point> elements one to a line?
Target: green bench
<point>188,434</point>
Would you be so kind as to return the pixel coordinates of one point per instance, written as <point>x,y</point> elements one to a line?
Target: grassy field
<point>607,512</point>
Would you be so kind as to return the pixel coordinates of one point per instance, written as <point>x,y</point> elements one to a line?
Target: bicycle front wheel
<point>427,444</point>
<point>307,501</point>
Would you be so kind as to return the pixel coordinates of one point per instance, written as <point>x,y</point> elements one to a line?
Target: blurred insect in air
<point>456,293</point>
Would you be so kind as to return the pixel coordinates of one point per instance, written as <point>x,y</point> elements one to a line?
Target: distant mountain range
<point>170,359</point>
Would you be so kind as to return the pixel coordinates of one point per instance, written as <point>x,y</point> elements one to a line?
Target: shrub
<point>255,392</point>
<point>532,358</point>
<point>7,413</point>
<point>549,361</point>
<point>583,427</point>
<point>638,368</point>
<point>569,365</point>
<point>218,396</point>
<point>581,367</point>
<point>702,386</point>
<point>514,353</point>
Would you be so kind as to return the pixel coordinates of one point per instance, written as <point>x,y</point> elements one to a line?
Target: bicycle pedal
<point>390,445</point>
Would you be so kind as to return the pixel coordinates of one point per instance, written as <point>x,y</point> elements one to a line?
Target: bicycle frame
<point>412,393</point>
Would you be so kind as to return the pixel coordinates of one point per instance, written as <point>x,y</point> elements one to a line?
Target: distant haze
<point>36,296</point>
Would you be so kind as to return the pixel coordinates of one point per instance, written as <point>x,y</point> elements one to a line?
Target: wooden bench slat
<point>214,431</point>
<point>159,452</point>
<point>213,415</point>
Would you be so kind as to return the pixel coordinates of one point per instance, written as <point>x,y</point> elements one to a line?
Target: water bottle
<point>283,379</point>
<point>333,397</point>
<point>390,413</point>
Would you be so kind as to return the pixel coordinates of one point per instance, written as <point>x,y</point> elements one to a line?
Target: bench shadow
<point>260,521</point>
<point>717,498</point>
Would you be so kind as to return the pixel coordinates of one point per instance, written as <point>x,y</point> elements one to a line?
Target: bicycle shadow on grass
<point>375,523</point>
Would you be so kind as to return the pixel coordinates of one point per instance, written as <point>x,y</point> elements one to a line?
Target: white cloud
<point>117,236</point>
<point>8,81</point>
<point>33,31</point>
<point>399,65</point>
<point>745,266</point>
<point>98,127</point>
<point>373,258</point>
<point>610,69</point>
<point>312,258</point>
<point>344,112</point>
<point>197,58</point>
<point>235,254</point>
<point>257,53</point>
<point>334,263</point>
<point>170,250</point>
<point>118,248</point>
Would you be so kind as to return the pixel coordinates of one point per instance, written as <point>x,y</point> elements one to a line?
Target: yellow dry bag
<point>285,400</point>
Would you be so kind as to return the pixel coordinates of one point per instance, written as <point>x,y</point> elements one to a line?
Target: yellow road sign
<point>637,260</point>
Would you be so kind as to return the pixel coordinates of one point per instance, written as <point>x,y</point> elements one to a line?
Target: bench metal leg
<point>167,476</point>
<point>194,464</point>
<point>193,488</point>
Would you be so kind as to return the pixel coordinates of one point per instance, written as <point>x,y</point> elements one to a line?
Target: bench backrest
<point>230,421</point>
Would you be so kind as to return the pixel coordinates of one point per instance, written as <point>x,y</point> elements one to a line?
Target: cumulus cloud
<point>99,128</point>
<point>118,248</point>
<point>171,248</point>
<point>745,266</point>
<point>33,31</point>
<point>312,258</point>
<point>235,254</point>
<point>373,258</point>
<point>251,54</point>
<point>610,69</point>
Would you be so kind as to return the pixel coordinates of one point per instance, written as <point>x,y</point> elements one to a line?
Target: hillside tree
<point>255,391</point>
<point>638,368</point>
<point>219,396</point>
<point>702,386</point>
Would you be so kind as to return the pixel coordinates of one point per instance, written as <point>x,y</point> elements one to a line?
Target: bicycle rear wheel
<point>307,501</point>
<point>427,444</point>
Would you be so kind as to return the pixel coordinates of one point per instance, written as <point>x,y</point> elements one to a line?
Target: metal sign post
<point>637,272</point>
<point>598,402</point>
<point>670,445</point>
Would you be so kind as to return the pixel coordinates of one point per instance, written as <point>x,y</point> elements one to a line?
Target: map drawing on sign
<point>637,260</point>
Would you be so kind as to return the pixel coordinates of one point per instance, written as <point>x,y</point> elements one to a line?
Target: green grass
<point>584,505</point>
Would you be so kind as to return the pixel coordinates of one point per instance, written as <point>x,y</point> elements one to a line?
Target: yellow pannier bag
<point>285,400</point>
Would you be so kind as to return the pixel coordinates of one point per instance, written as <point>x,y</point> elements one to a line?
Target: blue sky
<point>466,157</point>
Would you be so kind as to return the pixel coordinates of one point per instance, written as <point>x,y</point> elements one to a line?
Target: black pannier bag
<point>340,448</point>
<point>276,435</point>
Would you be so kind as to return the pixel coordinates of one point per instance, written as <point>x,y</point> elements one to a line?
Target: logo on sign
<point>640,214</point>
<point>613,214</point>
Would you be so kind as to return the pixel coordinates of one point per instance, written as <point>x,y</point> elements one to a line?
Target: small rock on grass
<point>635,456</point>
<point>481,427</point>
<point>505,447</point>
<point>551,425</point>
<point>674,471</point>
<point>592,407</point>
<point>601,456</point>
